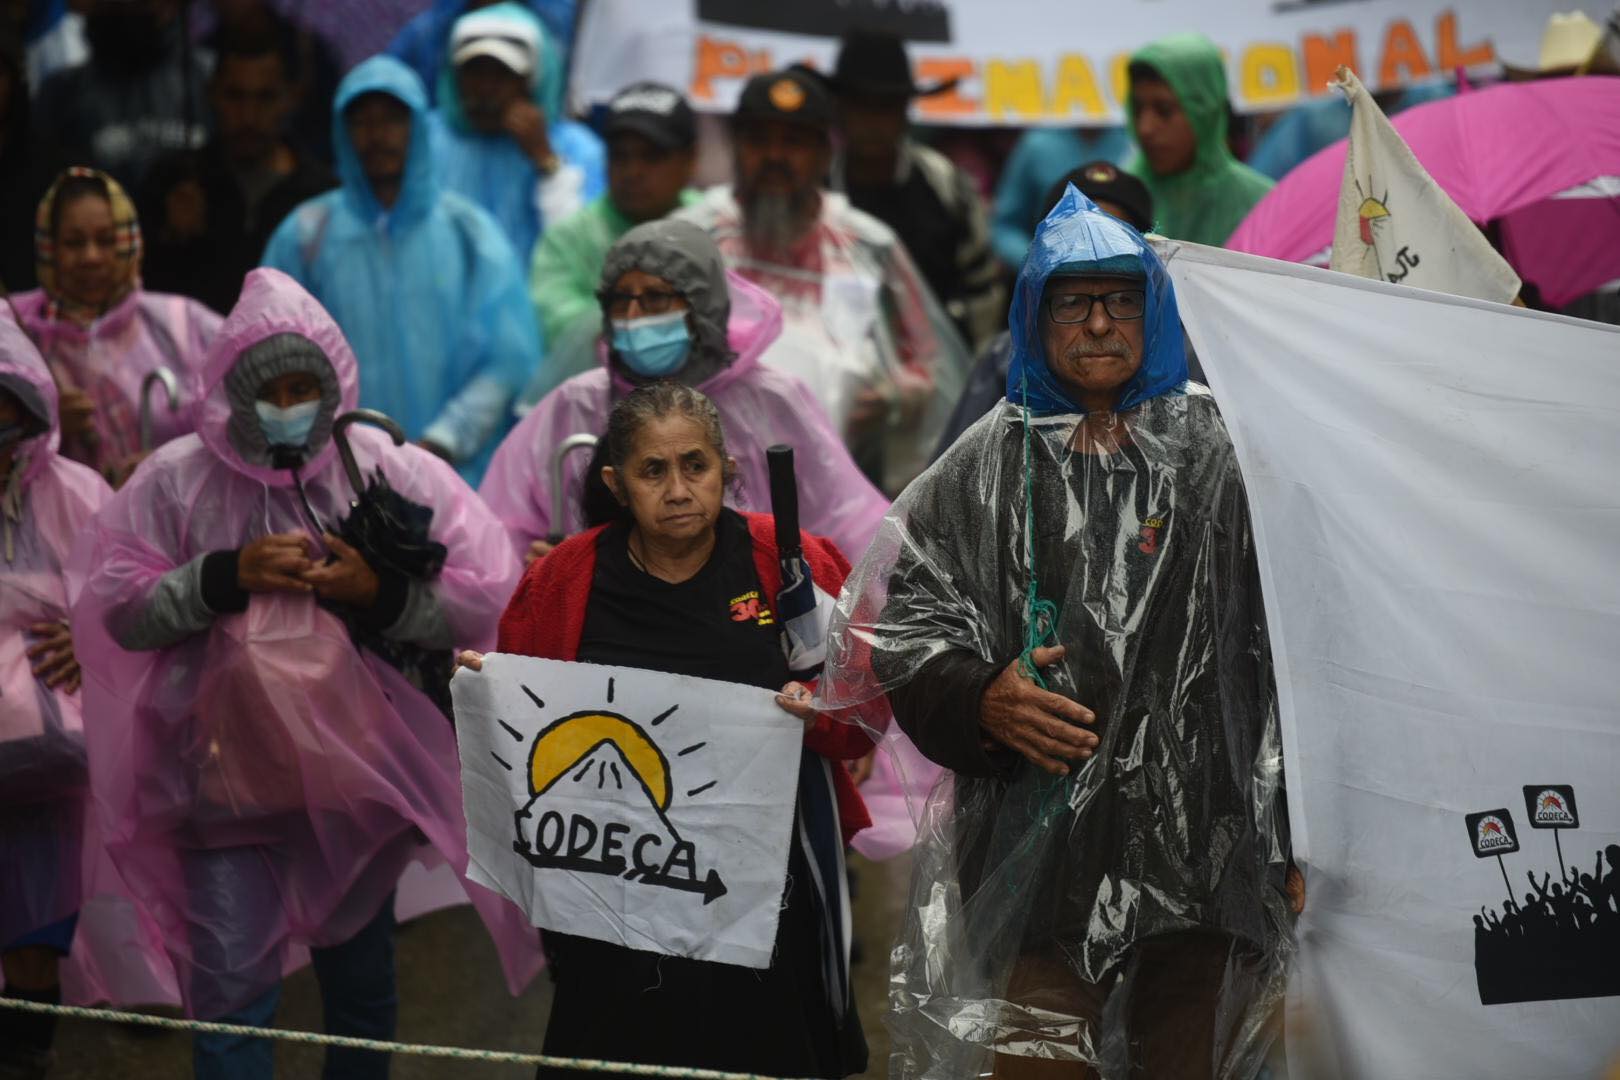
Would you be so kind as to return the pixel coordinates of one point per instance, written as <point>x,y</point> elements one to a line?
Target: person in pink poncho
<point>45,501</point>
<point>261,773</point>
<point>670,310</point>
<point>102,334</point>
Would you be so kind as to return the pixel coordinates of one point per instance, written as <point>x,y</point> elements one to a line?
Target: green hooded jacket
<point>1208,201</point>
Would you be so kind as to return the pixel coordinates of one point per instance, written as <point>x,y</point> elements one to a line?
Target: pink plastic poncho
<point>759,407</point>
<point>263,784</point>
<point>110,358</point>
<point>43,506</point>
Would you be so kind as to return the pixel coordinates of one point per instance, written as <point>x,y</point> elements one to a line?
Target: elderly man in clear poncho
<point>1064,611</point>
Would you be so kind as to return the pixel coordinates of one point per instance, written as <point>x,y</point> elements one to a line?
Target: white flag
<point>1396,224</point>
<point>647,810</point>
<point>1432,487</point>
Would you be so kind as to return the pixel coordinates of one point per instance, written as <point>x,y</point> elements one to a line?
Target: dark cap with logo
<point>793,94</point>
<point>1103,180</point>
<point>655,111</point>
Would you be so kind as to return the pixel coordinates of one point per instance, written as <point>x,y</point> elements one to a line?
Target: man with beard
<point>861,326</point>
<point>138,97</point>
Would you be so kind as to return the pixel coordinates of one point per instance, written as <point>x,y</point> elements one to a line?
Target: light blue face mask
<point>290,426</point>
<point>653,346</point>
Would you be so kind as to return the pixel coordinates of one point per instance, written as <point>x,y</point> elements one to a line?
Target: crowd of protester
<point>217,242</point>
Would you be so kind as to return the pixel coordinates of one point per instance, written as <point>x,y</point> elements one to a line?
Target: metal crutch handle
<point>158,376</point>
<point>559,501</point>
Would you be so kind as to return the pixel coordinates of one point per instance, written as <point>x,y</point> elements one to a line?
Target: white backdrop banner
<point>1434,495</point>
<point>647,810</point>
<point>1053,61</point>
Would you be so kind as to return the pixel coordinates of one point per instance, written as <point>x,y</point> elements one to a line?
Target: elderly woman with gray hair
<point>670,311</point>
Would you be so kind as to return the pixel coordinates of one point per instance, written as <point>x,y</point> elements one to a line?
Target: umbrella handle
<point>158,376</point>
<point>559,503</point>
<point>784,500</point>
<point>340,435</point>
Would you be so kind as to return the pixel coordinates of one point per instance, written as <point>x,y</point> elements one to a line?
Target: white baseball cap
<point>513,43</point>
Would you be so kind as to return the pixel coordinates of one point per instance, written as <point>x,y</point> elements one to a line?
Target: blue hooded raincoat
<point>428,291</point>
<point>492,170</point>
<point>1080,240</point>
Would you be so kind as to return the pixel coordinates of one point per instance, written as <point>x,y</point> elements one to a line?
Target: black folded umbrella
<point>391,533</point>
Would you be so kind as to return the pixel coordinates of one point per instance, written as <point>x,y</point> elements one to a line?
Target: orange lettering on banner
<point>1268,74</point>
<point>1402,49</point>
<point>1452,57</point>
<point>1076,85</point>
<point>723,60</point>
<point>951,103</point>
<point>1323,57</point>
<point>1015,87</point>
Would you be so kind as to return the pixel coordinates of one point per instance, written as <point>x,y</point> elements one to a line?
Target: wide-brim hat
<point>874,64</point>
<point>1568,43</point>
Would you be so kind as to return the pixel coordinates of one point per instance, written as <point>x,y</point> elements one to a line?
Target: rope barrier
<point>316,1038</point>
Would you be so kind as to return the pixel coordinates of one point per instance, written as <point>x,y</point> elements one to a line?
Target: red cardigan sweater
<point>546,618</point>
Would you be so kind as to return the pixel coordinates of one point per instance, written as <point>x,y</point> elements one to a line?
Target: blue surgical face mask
<point>653,346</point>
<point>290,426</point>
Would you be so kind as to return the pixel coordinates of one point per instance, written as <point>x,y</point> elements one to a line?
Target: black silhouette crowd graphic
<point>1562,941</point>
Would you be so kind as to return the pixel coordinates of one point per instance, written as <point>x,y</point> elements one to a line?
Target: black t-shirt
<point>624,1004</point>
<point>715,625</point>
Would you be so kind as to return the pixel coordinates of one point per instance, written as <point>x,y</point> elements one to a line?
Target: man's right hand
<point>538,549</point>
<point>1037,723</point>
<point>274,563</point>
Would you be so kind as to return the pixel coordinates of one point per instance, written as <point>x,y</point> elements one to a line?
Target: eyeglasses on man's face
<point>1075,307</point>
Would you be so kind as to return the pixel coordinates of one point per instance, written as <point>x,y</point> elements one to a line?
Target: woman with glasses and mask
<point>100,332</point>
<point>670,311</point>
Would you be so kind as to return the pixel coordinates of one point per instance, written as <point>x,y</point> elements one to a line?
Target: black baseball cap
<point>792,94</point>
<point>655,111</point>
<point>1105,180</point>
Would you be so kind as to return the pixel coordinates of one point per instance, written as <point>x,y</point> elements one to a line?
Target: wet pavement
<point>451,994</point>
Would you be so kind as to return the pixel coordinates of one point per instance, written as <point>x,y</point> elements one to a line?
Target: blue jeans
<point>358,997</point>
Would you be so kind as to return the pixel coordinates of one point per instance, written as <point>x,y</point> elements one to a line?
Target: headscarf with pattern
<point>126,247</point>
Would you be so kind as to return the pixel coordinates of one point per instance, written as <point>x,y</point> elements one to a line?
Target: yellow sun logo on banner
<point>571,739</point>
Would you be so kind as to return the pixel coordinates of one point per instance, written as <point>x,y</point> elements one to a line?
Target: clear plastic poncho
<point>262,783</point>
<point>857,317</point>
<point>44,505</point>
<point>1130,915</point>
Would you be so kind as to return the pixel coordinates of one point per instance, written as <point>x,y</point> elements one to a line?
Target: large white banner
<point>1434,490</point>
<point>647,810</point>
<point>1035,62</point>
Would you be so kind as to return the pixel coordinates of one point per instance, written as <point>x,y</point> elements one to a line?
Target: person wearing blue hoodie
<point>421,42</point>
<point>422,281</point>
<point>503,140</point>
<point>1065,611</point>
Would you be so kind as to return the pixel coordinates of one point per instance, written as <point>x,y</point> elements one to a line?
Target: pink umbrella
<point>1541,159</point>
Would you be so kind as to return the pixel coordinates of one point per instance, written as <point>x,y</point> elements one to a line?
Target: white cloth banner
<point>1434,496</point>
<point>648,810</point>
<point>1396,224</point>
<point>1051,61</point>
